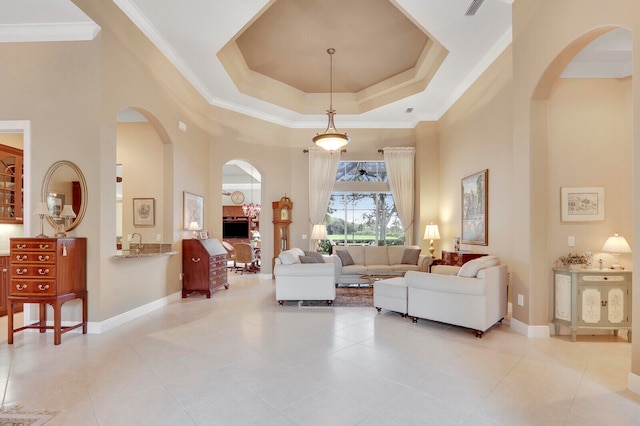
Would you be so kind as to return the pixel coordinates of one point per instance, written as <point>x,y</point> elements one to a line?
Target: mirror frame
<point>83,189</point>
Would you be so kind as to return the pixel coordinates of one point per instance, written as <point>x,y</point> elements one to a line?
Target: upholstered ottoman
<point>391,294</point>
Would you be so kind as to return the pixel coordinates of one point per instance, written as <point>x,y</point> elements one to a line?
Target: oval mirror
<point>64,190</point>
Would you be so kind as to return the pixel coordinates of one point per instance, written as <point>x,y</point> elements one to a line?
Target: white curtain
<point>400,165</point>
<point>323,166</point>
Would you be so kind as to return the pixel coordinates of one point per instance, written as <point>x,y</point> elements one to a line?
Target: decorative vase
<point>576,266</point>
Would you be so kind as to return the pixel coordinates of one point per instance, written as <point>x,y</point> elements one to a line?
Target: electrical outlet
<point>520,300</point>
<point>571,241</point>
<point>158,237</point>
<point>129,237</point>
<point>304,236</point>
<point>180,275</point>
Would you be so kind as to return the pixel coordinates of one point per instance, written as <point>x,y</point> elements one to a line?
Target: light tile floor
<point>239,358</point>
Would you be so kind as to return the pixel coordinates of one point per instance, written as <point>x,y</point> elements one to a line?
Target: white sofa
<point>377,260</point>
<point>476,300</point>
<point>303,281</point>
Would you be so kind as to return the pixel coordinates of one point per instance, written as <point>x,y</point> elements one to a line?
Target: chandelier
<point>331,139</point>
<point>251,210</point>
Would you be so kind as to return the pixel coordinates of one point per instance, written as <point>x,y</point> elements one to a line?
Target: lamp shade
<point>67,211</point>
<point>194,226</point>
<point>319,232</point>
<point>41,209</point>
<point>616,244</point>
<point>431,232</point>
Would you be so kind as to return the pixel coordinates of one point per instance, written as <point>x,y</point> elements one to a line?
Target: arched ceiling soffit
<point>281,56</point>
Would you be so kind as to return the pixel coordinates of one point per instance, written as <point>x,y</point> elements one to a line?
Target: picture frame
<point>475,208</point>
<point>582,204</point>
<point>203,235</point>
<point>144,212</point>
<point>193,209</point>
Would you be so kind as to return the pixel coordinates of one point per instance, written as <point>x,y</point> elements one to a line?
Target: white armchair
<point>477,302</point>
<point>304,281</point>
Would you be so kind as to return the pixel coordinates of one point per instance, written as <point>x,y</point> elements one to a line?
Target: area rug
<point>345,297</point>
<point>16,416</point>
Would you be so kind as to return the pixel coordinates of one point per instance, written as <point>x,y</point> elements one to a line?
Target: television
<point>235,230</point>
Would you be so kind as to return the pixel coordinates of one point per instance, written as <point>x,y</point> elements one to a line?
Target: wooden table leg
<point>57,322</point>
<point>43,317</point>
<point>85,313</point>
<point>10,321</point>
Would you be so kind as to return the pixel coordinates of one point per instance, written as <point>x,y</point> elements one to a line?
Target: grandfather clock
<point>281,224</point>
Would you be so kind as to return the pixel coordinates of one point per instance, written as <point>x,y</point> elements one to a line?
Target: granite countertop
<point>127,254</point>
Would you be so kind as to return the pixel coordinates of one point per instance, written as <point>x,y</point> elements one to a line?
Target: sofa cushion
<point>410,256</point>
<point>471,268</point>
<point>345,257</point>
<point>317,256</point>
<point>308,259</point>
<point>374,255</point>
<point>291,256</point>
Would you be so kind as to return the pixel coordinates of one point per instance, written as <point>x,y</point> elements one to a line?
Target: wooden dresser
<point>458,258</point>
<point>204,266</point>
<point>47,271</point>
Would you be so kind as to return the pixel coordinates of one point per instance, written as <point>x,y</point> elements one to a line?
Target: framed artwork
<point>475,208</point>
<point>144,212</point>
<point>582,204</point>
<point>193,209</point>
<point>55,203</point>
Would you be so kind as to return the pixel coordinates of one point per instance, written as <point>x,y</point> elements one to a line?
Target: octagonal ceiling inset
<point>281,55</point>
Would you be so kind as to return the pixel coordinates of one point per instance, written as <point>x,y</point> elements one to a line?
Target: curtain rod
<point>306,150</point>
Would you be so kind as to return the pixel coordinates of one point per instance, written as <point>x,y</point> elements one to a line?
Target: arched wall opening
<point>144,179</point>
<point>580,136</point>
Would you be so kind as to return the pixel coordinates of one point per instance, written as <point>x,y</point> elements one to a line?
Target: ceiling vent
<point>473,8</point>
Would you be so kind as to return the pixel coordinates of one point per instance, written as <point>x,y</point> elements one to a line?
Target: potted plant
<point>573,261</point>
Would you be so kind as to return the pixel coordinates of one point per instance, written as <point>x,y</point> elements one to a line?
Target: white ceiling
<point>191,33</point>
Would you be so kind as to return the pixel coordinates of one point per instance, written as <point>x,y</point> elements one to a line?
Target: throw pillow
<point>471,268</point>
<point>317,256</point>
<point>410,256</point>
<point>308,259</point>
<point>345,257</point>
<point>289,257</point>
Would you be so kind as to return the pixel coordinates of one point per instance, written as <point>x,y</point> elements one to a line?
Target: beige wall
<point>544,41</point>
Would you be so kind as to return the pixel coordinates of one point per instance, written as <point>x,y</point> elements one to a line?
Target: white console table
<point>592,298</point>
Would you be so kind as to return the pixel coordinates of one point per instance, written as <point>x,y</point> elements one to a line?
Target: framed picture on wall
<point>55,203</point>
<point>193,210</point>
<point>475,208</point>
<point>582,204</point>
<point>144,212</point>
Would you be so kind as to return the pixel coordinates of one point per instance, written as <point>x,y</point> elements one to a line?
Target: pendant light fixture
<point>331,139</point>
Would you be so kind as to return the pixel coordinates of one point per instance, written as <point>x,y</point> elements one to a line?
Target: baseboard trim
<point>633,383</point>
<point>123,318</point>
<point>534,331</point>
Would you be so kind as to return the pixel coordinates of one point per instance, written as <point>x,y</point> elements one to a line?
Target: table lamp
<point>193,226</point>
<point>431,233</point>
<point>42,211</point>
<point>319,232</point>
<point>616,245</point>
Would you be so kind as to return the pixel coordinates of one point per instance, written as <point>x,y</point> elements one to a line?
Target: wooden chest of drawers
<point>204,266</point>
<point>47,271</point>
<point>458,258</point>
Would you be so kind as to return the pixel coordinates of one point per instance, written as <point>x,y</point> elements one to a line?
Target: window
<point>361,209</point>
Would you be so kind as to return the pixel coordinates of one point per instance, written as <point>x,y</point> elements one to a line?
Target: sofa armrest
<point>424,261</point>
<point>445,269</point>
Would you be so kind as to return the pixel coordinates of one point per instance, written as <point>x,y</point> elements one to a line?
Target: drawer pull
<point>21,287</point>
<point>194,260</point>
<point>21,246</point>
<point>42,287</point>
<point>44,258</point>
<point>44,271</point>
<point>21,271</point>
<point>21,257</point>
<point>44,246</point>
